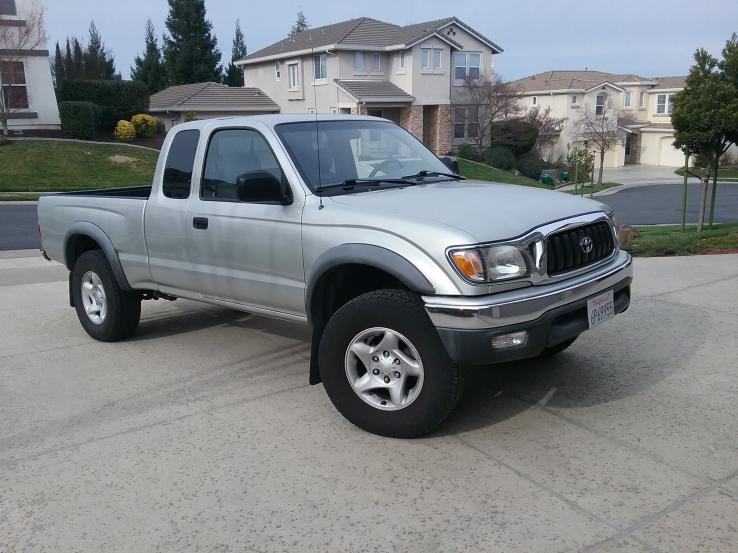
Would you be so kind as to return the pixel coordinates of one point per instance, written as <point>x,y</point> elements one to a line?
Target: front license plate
<point>600,309</point>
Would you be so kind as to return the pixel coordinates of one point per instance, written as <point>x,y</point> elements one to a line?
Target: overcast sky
<point>647,37</point>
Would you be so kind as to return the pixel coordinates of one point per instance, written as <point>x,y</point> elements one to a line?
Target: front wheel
<point>106,312</point>
<point>384,366</point>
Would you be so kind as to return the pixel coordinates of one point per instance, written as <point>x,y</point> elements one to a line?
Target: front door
<point>246,253</point>
<point>631,148</point>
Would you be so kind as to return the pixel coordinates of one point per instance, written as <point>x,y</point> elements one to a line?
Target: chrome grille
<point>574,248</point>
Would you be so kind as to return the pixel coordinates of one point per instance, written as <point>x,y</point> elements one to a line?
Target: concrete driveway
<point>201,434</point>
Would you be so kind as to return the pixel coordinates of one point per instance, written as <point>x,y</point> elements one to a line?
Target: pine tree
<point>77,60</point>
<point>150,68</point>
<point>234,75</point>
<point>58,66</point>
<point>97,61</point>
<point>191,52</point>
<point>301,24</point>
<point>68,64</point>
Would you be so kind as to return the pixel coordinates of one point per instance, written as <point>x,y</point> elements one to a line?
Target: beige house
<point>207,101</point>
<point>25,73</point>
<point>641,105</point>
<point>414,74</point>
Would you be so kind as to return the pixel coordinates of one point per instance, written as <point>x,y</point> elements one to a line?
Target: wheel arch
<point>83,236</point>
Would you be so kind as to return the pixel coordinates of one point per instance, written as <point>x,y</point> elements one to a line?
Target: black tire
<point>123,307</point>
<point>403,312</point>
<point>558,348</point>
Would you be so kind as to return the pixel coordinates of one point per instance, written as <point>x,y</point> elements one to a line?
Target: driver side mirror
<point>262,187</point>
<point>451,162</point>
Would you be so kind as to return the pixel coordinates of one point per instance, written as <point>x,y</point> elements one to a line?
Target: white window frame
<point>359,56</point>
<point>8,86</point>
<point>320,67</point>
<point>642,99</point>
<point>431,54</point>
<point>425,59</point>
<point>628,99</point>
<point>278,70</point>
<point>467,64</point>
<point>401,62</point>
<point>574,100</point>
<point>293,70</point>
<point>600,108</point>
<point>376,56</point>
<point>334,110</point>
<point>666,104</point>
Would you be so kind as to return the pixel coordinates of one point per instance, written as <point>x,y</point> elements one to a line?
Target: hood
<point>486,211</point>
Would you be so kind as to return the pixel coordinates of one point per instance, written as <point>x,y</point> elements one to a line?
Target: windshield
<point>329,153</point>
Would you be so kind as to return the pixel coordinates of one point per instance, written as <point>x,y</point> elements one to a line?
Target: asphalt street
<point>201,433</point>
<point>18,227</point>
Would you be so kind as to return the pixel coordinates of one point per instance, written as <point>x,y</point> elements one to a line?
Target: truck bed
<point>132,192</point>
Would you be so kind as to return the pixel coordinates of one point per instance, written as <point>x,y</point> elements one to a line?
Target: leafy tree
<point>548,127</point>
<point>705,116</point>
<point>301,23</point>
<point>600,131</point>
<point>98,63</point>
<point>150,68</point>
<point>494,100</point>
<point>234,75</point>
<point>191,52</point>
<point>58,65</point>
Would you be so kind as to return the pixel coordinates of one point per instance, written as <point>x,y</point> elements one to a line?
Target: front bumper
<point>551,314</point>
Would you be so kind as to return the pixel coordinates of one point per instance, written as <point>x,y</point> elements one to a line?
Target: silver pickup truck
<point>404,270</point>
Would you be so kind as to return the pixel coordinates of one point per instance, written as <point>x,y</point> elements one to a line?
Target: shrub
<point>190,116</point>
<point>160,128</point>
<point>145,125</point>
<point>500,157</point>
<point>118,99</point>
<point>124,131</point>
<point>530,166</point>
<point>80,119</point>
<point>468,151</point>
<point>516,135</point>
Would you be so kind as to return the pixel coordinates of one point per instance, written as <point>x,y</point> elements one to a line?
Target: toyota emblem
<point>586,244</point>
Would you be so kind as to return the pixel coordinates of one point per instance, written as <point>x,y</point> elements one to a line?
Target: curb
<point>84,142</point>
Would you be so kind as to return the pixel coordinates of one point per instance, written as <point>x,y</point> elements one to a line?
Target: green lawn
<point>723,174</point>
<point>48,165</point>
<point>587,189</point>
<point>668,240</point>
<point>479,171</point>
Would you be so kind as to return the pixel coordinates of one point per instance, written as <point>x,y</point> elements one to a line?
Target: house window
<point>320,66</point>
<point>13,79</point>
<point>600,105</point>
<point>401,62</point>
<point>430,56</point>
<point>7,7</point>
<point>293,72</point>
<point>467,65</point>
<point>663,103</point>
<point>359,62</point>
<point>376,62</point>
<point>334,110</point>
<point>627,99</point>
<point>466,122</point>
<point>437,57</point>
<point>425,59</point>
<point>574,100</point>
<point>535,100</point>
<point>642,99</point>
<point>277,70</point>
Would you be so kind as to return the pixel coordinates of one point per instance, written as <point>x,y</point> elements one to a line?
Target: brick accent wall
<point>444,127</point>
<point>411,118</point>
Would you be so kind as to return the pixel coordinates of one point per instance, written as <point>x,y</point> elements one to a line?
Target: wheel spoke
<point>388,342</point>
<point>363,352</point>
<point>411,366</point>
<point>87,287</point>
<point>366,383</point>
<point>397,392</point>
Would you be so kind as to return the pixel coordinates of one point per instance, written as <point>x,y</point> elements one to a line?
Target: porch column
<point>443,143</point>
<point>411,118</point>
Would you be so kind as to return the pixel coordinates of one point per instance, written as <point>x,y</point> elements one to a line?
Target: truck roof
<point>273,119</point>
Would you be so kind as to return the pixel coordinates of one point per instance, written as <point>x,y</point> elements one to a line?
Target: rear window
<point>180,163</point>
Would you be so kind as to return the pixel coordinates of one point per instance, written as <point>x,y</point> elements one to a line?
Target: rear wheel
<point>106,312</point>
<point>558,348</point>
<point>384,366</point>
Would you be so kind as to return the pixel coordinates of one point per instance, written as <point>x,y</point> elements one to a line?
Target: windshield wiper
<point>422,174</point>
<point>353,183</point>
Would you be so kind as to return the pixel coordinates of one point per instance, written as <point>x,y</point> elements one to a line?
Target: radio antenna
<point>317,135</point>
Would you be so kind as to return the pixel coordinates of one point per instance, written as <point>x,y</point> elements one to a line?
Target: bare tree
<point>548,127</point>
<point>15,41</point>
<point>599,129</point>
<point>494,100</point>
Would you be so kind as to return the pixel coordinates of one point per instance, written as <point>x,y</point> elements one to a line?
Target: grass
<point>48,165</point>
<point>655,241</point>
<point>723,174</point>
<point>480,171</point>
<point>588,188</point>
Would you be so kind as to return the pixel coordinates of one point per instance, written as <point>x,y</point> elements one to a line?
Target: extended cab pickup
<point>404,270</point>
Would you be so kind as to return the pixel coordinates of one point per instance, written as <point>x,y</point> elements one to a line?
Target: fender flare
<point>90,230</point>
<point>367,254</point>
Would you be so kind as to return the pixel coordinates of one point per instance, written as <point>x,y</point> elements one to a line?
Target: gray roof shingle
<point>568,80</point>
<point>211,97</point>
<point>367,90</point>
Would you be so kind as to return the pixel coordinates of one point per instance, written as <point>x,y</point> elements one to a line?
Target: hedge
<point>500,158</point>
<point>516,135</point>
<point>118,99</point>
<point>80,119</point>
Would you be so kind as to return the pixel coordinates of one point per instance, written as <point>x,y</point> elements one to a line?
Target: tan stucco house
<point>642,107</point>
<point>413,74</point>
<point>25,73</point>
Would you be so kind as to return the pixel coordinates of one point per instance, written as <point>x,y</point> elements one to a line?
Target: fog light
<point>512,340</point>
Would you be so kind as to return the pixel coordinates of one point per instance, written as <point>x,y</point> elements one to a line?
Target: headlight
<point>490,264</point>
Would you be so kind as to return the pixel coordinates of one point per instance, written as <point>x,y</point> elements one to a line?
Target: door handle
<point>200,223</point>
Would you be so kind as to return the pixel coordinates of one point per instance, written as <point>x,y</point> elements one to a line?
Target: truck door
<point>248,253</point>
<point>165,220</point>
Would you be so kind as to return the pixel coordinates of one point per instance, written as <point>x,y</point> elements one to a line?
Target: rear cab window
<point>180,164</point>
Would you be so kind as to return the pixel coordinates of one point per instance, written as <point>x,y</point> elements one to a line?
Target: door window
<point>233,152</point>
<point>180,162</point>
